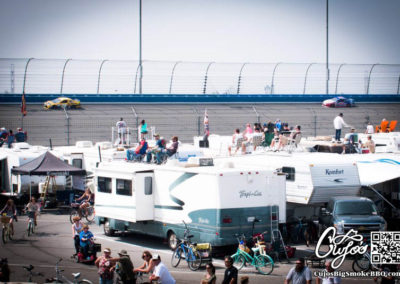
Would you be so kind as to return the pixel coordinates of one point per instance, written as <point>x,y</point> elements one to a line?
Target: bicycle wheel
<point>176,256</point>
<point>264,264</point>
<point>194,260</point>
<point>361,263</point>
<point>90,214</point>
<point>239,261</point>
<point>85,282</point>
<point>29,227</point>
<point>74,212</point>
<point>4,234</point>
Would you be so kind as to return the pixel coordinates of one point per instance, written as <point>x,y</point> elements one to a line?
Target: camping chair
<point>257,141</point>
<point>238,145</point>
<point>384,125</point>
<point>392,126</point>
<point>293,143</point>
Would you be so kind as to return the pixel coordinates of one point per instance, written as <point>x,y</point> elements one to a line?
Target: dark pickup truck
<point>351,212</point>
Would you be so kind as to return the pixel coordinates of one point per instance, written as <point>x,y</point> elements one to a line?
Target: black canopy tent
<point>47,165</point>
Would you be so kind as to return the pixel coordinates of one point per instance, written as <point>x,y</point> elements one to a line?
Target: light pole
<point>327,47</point>
<point>140,48</point>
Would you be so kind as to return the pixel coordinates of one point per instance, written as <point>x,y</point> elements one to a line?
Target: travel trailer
<point>215,202</point>
<point>18,155</point>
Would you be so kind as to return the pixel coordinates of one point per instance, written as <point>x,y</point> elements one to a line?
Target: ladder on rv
<point>43,194</point>
<point>276,236</point>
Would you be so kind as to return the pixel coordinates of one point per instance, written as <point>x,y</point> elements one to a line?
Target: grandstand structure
<point>113,81</point>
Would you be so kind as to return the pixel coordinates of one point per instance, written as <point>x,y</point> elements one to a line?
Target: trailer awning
<point>378,171</point>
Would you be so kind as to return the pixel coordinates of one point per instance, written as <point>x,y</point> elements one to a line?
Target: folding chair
<point>392,126</point>
<point>293,143</point>
<point>384,125</point>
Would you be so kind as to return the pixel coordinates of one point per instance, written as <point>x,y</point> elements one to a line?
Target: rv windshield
<point>355,208</point>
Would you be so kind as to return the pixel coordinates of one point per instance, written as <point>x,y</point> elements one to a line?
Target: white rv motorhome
<point>215,202</point>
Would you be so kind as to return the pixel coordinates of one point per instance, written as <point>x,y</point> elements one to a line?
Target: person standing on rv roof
<point>370,128</point>
<point>121,127</point>
<point>10,138</point>
<point>143,128</point>
<point>338,123</point>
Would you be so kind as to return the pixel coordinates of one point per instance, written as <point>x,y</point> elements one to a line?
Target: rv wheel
<point>107,230</point>
<point>172,240</point>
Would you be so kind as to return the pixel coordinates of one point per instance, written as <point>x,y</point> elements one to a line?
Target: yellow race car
<point>62,102</point>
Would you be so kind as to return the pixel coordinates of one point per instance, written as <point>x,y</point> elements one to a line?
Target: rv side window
<point>104,184</point>
<point>124,187</point>
<point>290,173</point>
<point>77,163</point>
<point>148,185</point>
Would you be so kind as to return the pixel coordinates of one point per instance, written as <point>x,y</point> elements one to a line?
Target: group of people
<point>122,265</point>
<point>122,130</point>
<point>157,153</point>
<point>10,210</point>
<point>274,135</point>
<point>9,137</point>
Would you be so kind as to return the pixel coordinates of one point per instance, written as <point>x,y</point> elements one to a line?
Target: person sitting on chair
<point>235,137</point>
<point>283,140</point>
<point>138,152</point>
<point>160,145</point>
<point>171,150</point>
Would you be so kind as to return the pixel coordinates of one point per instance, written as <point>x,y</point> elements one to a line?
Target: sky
<point>268,31</point>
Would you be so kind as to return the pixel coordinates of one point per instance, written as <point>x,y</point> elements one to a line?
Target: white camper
<point>215,202</point>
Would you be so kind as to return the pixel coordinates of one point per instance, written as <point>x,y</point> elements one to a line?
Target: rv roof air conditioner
<point>84,144</point>
<point>104,145</point>
<point>201,162</point>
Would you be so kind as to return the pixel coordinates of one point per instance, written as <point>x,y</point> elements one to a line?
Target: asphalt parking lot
<point>53,240</point>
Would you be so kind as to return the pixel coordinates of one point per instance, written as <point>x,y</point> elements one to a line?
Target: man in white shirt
<point>121,127</point>
<point>161,273</point>
<point>338,123</point>
<point>329,279</point>
<point>370,129</point>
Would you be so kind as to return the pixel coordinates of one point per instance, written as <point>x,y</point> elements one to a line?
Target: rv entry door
<point>144,196</point>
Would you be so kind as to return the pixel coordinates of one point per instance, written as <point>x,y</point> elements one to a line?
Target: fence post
<point>172,76</point>
<point>98,79</point>
<point>62,75</point>
<point>240,78</point>
<point>273,77</point>
<point>315,125</point>
<point>337,76</point>
<point>398,86</point>
<point>206,78</point>
<point>257,114</point>
<point>67,117</point>
<point>137,123</point>
<point>305,78</point>
<point>369,76</point>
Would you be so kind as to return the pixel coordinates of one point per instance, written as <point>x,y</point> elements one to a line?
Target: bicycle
<point>31,273</point>
<point>87,213</point>
<point>31,223</point>
<point>185,249</point>
<point>363,262</point>
<point>60,278</point>
<point>6,230</point>
<point>262,262</point>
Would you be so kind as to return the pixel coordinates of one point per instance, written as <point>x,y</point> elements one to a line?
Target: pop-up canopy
<point>47,165</point>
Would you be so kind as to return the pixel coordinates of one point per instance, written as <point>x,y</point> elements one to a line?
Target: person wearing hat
<point>105,264</point>
<point>124,268</point>
<point>160,145</point>
<point>77,227</point>
<point>161,272</point>
<point>19,136</point>
<point>85,239</point>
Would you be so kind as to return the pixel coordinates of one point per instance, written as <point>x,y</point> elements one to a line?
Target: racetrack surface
<point>94,122</point>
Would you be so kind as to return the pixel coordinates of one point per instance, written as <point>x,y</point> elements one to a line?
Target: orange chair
<point>392,126</point>
<point>384,125</point>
